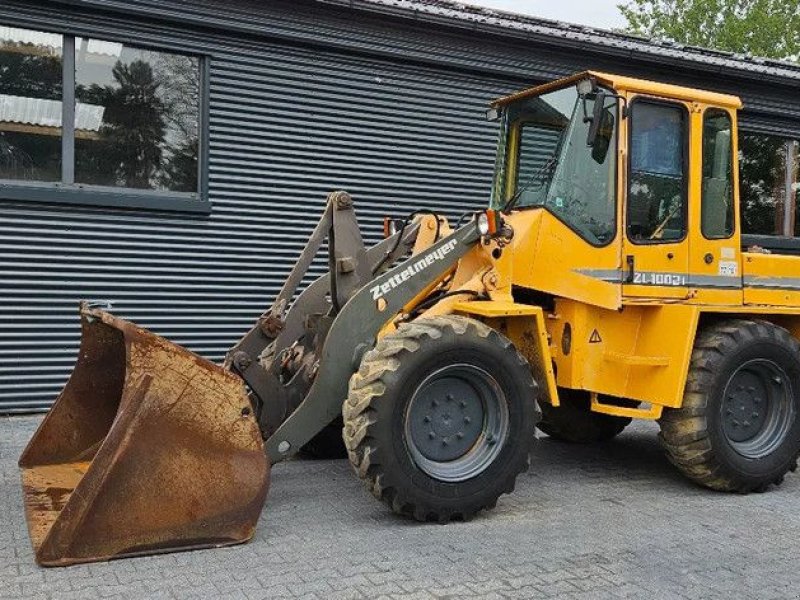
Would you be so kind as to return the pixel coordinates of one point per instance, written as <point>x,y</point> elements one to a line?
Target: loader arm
<point>258,356</point>
<point>353,332</point>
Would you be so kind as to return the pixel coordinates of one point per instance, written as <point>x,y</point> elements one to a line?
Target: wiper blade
<point>538,176</point>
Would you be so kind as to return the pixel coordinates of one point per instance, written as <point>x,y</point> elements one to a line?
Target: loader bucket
<point>149,448</point>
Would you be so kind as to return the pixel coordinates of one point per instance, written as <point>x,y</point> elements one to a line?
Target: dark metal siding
<point>287,124</point>
<point>303,98</point>
<point>527,48</point>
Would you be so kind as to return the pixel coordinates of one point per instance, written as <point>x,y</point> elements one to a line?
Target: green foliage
<point>766,28</point>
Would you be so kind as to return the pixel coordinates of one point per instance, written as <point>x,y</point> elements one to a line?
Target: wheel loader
<point>608,280</point>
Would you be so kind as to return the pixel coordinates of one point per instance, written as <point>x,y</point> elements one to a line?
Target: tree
<point>767,28</point>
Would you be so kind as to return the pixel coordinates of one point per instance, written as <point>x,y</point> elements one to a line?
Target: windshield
<point>544,160</point>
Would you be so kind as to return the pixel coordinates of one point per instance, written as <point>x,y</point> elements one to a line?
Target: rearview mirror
<point>604,136</point>
<point>597,116</point>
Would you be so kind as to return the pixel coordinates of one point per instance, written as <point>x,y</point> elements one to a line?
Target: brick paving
<point>608,521</point>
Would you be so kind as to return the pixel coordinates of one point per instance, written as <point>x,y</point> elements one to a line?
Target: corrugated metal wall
<point>288,124</point>
<point>329,102</point>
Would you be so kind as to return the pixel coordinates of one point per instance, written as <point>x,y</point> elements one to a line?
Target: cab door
<point>715,264</point>
<point>655,248</point>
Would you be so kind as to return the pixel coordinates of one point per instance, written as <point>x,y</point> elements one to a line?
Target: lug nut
<point>460,435</point>
<point>431,435</point>
<point>467,420</point>
<point>427,419</point>
<point>450,397</point>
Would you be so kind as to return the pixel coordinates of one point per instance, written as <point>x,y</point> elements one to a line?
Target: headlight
<point>389,227</point>
<point>483,223</point>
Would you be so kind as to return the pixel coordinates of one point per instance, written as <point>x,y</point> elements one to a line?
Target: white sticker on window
<point>728,268</point>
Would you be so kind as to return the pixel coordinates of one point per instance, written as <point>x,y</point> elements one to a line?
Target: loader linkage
<point>332,323</point>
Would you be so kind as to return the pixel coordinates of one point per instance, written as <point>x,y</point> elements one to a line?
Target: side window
<point>717,199</point>
<point>657,182</point>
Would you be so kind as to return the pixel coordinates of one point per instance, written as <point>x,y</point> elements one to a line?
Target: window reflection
<point>30,105</point>
<point>762,166</point>
<point>141,117</point>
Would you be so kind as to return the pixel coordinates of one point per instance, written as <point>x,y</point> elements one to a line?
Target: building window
<point>30,105</point>
<point>717,191</point>
<point>96,116</point>
<point>762,164</point>
<point>657,187</point>
<point>140,111</point>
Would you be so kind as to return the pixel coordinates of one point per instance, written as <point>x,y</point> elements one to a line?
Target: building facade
<point>173,156</point>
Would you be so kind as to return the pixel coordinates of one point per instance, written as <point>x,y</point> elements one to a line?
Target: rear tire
<point>440,418</point>
<point>327,444</point>
<point>738,429</point>
<point>574,422</point>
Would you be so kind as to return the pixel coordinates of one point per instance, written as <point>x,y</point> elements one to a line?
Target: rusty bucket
<point>149,448</point>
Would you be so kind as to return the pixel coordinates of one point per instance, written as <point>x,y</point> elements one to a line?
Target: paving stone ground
<point>609,521</point>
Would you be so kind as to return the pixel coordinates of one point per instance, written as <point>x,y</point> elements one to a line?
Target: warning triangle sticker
<point>595,337</point>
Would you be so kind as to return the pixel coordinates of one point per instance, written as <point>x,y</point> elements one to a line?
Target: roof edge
<point>508,24</point>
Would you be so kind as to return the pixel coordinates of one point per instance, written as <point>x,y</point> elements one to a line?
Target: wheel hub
<point>746,407</point>
<point>451,422</point>
<point>454,421</point>
<point>757,408</point>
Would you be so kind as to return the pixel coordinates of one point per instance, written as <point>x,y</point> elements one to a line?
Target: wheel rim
<point>757,408</point>
<point>456,422</point>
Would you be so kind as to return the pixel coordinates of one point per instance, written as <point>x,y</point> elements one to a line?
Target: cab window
<point>657,190</point>
<point>717,198</point>
<point>555,167</point>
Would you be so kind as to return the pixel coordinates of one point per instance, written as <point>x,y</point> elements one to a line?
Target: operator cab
<point>642,173</point>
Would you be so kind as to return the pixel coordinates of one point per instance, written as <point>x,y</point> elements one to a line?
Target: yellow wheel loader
<point>609,280</point>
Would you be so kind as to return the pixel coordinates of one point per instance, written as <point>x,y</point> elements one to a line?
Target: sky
<point>602,14</point>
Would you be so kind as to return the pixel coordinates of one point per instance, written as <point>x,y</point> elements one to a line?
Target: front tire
<point>738,429</point>
<point>440,418</point>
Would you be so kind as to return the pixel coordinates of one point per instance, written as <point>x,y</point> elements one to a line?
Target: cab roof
<point>629,84</point>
